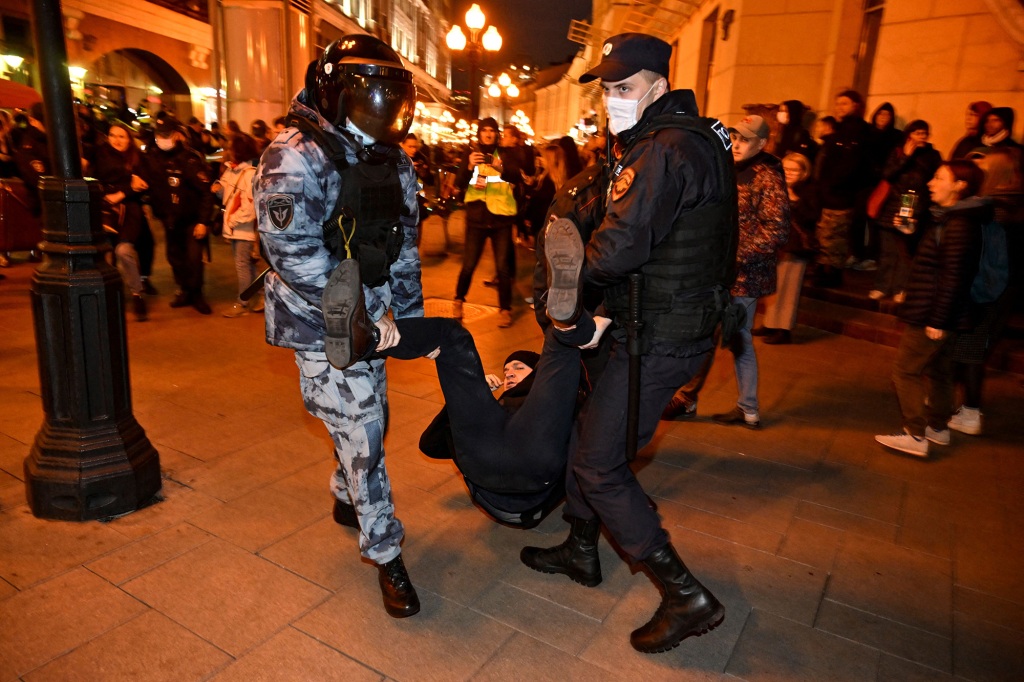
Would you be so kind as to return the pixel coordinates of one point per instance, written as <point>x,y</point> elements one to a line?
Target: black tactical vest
<point>688,276</point>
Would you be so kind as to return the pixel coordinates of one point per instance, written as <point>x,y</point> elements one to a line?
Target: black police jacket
<point>179,185</point>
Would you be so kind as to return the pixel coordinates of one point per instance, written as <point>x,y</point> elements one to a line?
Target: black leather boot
<point>687,607</point>
<point>351,334</point>
<point>576,557</point>
<point>564,253</point>
<point>345,514</point>
<point>400,600</point>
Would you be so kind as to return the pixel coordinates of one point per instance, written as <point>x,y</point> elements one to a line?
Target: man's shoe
<point>876,294</point>
<point>148,288</point>
<point>493,283</point>
<point>687,607</point>
<point>400,599</point>
<point>256,303</point>
<point>904,442</point>
<point>563,250</point>
<point>737,416</point>
<point>966,420</point>
<point>181,299</point>
<point>139,308</point>
<point>576,557</point>
<point>457,309</point>
<point>351,334</point>
<point>236,310</point>
<point>679,406</point>
<point>200,304</point>
<point>779,337</point>
<point>761,331</point>
<point>345,514</point>
<point>937,436</point>
<point>504,319</point>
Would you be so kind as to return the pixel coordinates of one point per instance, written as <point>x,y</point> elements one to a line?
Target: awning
<point>17,96</point>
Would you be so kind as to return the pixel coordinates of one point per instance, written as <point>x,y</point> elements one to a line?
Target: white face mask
<point>165,143</point>
<point>782,117</point>
<point>622,113</point>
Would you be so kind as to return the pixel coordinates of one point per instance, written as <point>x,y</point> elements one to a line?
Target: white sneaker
<point>966,420</point>
<point>876,294</point>
<point>904,442</point>
<point>936,436</point>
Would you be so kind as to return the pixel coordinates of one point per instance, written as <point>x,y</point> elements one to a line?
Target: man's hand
<point>138,184</point>
<point>602,324</point>
<point>199,231</point>
<point>475,159</point>
<point>934,334</point>
<point>389,336</point>
<point>494,382</point>
<point>432,355</point>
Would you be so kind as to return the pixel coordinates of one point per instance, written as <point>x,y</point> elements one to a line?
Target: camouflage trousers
<point>352,404</point>
<point>834,236</point>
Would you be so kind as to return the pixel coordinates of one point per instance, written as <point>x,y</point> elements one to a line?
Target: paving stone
<point>895,583</point>
<point>811,543</point>
<point>57,616</point>
<point>37,549</point>
<point>745,534</point>
<point>774,648</point>
<point>444,641</point>
<point>855,491</point>
<point>163,651</point>
<point>546,664</point>
<point>896,638</point>
<point>178,505</point>
<point>309,483</point>
<point>259,518</point>
<point>991,563</point>
<point>988,608</point>
<point>292,656</point>
<point>139,557</point>
<point>893,669</point>
<point>984,651</point>
<point>226,595</point>
<point>7,590</point>
<point>846,521</point>
<point>323,553</point>
<point>696,658</point>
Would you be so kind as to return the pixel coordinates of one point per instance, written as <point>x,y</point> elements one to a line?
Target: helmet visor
<point>381,107</point>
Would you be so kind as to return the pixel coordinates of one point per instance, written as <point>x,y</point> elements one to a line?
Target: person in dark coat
<point>997,128</point>
<point>972,124</point>
<point>119,168</point>
<point>907,171</point>
<point>937,306</point>
<point>794,138</point>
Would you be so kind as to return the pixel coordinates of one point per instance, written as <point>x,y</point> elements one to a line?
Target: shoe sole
<point>937,441</point>
<point>338,304</point>
<point>908,451</point>
<point>405,613</point>
<point>970,431</point>
<point>592,582</point>
<point>563,250</point>
<point>706,626</point>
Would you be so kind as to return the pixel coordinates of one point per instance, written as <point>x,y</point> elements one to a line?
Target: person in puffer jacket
<point>936,306</point>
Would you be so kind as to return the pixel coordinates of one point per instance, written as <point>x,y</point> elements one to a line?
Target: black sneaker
<point>351,334</point>
<point>200,304</point>
<point>563,250</point>
<point>139,308</point>
<point>181,299</point>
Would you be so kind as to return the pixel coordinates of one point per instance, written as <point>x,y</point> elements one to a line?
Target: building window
<point>869,30</point>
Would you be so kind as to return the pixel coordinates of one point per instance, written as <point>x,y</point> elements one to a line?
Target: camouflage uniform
<point>295,190</point>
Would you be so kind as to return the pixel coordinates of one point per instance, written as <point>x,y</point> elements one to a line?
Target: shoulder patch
<point>281,209</point>
<point>623,183</point>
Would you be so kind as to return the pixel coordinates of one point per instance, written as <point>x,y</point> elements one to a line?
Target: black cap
<point>629,53</point>
<point>527,357</point>
<point>167,126</point>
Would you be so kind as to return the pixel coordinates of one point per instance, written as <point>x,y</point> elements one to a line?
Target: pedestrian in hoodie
<point>997,128</point>
<point>972,125</point>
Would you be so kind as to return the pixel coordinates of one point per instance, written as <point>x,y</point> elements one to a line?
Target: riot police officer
<point>179,190</point>
<point>336,205</point>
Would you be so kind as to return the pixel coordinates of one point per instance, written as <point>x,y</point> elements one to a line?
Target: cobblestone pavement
<point>836,559</point>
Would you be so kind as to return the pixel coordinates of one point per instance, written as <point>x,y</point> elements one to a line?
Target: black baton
<point>256,285</point>
<point>634,324</point>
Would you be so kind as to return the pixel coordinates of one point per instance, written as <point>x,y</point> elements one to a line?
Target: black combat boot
<point>345,514</point>
<point>351,334</point>
<point>687,607</point>
<point>400,600</point>
<point>576,557</point>
<point>564,253</point>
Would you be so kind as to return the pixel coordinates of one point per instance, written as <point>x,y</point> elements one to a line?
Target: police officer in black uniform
<point>179,188</point>
<point>670,215</point>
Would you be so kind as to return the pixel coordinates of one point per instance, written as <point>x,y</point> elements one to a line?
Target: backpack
<point>994,265</point>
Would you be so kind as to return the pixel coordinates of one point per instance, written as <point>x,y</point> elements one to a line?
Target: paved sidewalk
<point>836,559</point>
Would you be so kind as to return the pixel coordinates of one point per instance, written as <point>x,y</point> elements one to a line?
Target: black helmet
<point>360,78</point>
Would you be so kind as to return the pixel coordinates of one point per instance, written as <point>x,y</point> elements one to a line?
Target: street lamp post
<point>475,45</point>
<point>90,459</point>
<point>504,90</point>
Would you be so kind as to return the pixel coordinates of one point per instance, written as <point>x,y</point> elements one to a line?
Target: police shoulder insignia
<point>281,209</point>
<point>623,183</point>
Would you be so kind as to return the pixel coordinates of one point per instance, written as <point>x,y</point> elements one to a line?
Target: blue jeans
<point>245,266</point>
<point>745,360</point>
